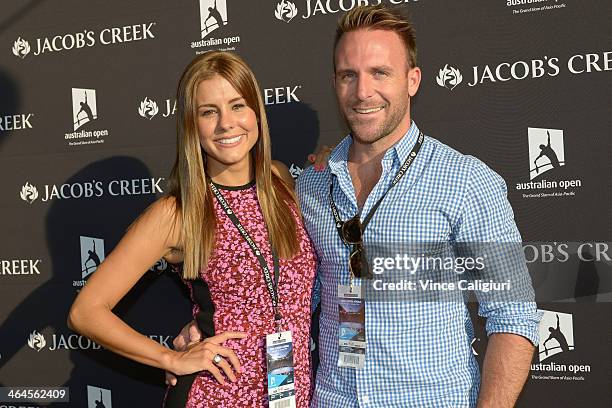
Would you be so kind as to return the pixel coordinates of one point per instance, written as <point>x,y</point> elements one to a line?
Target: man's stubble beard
<point>385,129</point>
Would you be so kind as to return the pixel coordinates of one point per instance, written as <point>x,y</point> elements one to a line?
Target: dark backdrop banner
<point>87,133</point>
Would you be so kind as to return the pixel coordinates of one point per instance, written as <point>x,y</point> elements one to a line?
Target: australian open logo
<point>556,334</point>
<point>547,156</point>
<point>84,108</point>
<point>213,16</point>
<point>92,255</point>
<point>99,397</point>
<point>21,48</point>
<point>84,111</point>
<point>545,150</point>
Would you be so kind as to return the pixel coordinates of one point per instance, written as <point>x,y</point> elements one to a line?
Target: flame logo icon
<point>159,266</point>
<point>148,108</point>
<point>285,11</point>
<point>28,193</point>
<point>449,77</point>
<point>21,48</point>
<point>295,170</point>
<point>36,341</point>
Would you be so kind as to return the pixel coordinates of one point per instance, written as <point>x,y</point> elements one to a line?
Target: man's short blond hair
<point>379,17</point>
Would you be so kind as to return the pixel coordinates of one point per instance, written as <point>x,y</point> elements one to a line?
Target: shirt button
<point>365,399</point>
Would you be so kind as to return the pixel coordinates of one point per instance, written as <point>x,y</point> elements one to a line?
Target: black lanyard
<point>271,285</point>
<point>407,163</point>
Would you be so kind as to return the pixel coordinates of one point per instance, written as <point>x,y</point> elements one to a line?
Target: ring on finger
<point>217,359</point>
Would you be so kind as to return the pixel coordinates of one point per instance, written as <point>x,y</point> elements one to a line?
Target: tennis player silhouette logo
<point>100,403</point>
<point>84,107</point>
<point>556,334</point>
<point>546,150</point>
<point>98,397</point>
<point>213,15</point>
<point>92,255</point>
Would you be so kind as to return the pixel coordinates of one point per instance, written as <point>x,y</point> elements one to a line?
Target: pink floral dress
<point>231,296</point>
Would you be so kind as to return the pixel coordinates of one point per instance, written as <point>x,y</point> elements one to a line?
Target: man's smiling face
<point>374,83</point>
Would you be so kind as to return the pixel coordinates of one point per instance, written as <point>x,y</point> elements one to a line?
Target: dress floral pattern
<point>242,303</point>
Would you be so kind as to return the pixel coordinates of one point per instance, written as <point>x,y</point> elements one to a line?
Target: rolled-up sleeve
<point>487,222</point>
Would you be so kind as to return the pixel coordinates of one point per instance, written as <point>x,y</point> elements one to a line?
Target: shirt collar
<point>400,150</point>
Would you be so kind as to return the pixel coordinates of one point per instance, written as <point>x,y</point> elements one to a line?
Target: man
<point>417,354</point>
<point>386,182</point>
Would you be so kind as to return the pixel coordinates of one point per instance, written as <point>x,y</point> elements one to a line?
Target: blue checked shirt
<point>418,353</point>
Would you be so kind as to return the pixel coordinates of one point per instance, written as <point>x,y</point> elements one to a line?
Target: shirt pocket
<point>428,225</point>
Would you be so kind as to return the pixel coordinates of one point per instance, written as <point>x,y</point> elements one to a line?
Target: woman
<point>223,179</point>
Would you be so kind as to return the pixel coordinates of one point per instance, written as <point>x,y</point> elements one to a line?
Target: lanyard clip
<point>277,322</point>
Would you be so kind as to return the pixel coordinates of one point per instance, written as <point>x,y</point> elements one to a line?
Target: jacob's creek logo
<point>285,10</point>
<point>92,189</point>
<point>547,155</point>
<point>557,340</point>
<point>562,252</point>
<point>213,16</point>
<point>84,111</point>
<point>36,341</point>
<point>85,38</point>
<point>59,341</point>
<point>99,397</point>
<point>21,48</point>
<point>450,76</point>
<point>295,170</point>
<point>160,266</point>
<point>28,193</point>
<point>20,266</point>
<point>15,122</point>
<point>148,108</point>
<point>280,95</point>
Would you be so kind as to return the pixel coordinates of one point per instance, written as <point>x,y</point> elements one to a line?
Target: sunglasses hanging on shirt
<point>351,231</point>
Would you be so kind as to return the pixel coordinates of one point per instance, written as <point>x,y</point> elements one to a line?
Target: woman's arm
<point>154,235</point>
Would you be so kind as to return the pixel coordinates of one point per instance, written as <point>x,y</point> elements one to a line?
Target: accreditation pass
<point>351,327</point>
<point>279,358</point>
